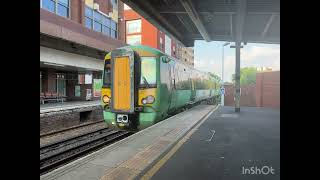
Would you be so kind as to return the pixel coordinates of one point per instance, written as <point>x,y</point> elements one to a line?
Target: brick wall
<point>268,89</point>
<point>49,85</point>
<point>73,29</point>
<point>51,81</point>
<point>229,95</point>
<point>56,121</point>
<point>77,10</point>
<point>104,6</point>
<point>265,93</point>
<point>121,22</point>
<point>160,34</point>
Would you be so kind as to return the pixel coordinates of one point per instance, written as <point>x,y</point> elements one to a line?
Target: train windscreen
<point>148,72</point>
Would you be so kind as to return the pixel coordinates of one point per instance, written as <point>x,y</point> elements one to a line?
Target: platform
<point>128,158</point>
<point>53,107</point>
<point>204,142</point>
<point>227,144</point>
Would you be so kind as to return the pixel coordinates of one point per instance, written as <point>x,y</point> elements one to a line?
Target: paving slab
<point>54,107</point>
<point>129,157</point>
<point>227,145</point>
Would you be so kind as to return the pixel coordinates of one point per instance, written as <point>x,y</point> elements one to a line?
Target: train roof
<point>159,53</point>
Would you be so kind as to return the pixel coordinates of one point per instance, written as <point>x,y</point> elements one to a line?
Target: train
<point>142,86</point>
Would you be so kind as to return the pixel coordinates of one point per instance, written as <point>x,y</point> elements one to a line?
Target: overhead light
<point>54,64</point>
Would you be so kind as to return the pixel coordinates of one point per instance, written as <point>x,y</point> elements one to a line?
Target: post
<point>222,72</point>
<point>222,95</point>
<point>237,77</point>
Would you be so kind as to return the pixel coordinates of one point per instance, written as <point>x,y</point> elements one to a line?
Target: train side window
<point>165,73</point>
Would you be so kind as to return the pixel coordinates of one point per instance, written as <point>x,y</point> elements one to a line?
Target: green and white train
<point>142,86</point>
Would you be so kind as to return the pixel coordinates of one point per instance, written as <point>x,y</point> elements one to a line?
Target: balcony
<point>70,31</point>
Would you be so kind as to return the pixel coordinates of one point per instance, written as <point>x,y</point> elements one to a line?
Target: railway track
<point>55,154</point>
<point>70,128</point>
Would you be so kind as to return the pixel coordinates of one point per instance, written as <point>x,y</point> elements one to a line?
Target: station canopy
<point>248,21</point>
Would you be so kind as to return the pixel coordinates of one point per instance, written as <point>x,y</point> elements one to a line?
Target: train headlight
<point>148,100</point>
<point>106,99</point>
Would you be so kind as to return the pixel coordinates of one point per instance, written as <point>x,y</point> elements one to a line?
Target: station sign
<point>222,90</point>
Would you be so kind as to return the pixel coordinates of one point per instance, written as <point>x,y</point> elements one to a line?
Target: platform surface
<point>226,144</point>
<point>53,107</point>
<point>127,158</point>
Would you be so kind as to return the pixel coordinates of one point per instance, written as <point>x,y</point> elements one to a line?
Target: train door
<point>173,93</point>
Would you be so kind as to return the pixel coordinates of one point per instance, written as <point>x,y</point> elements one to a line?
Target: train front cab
<point>130,102</point>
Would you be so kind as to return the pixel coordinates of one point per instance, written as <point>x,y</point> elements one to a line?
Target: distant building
<point>139,31</point>
<point>186,54</point>
<point>264,69</point>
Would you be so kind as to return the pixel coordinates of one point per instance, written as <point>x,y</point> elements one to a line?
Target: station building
<point>139,31</point>
<point>75,35</point>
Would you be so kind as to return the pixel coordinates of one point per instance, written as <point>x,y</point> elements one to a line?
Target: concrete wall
<point>60,57</point>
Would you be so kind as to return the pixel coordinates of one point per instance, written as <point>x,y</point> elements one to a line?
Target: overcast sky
<point>208,56</point>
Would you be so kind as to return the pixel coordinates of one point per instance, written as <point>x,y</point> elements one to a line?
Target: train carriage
<point>142,86</point>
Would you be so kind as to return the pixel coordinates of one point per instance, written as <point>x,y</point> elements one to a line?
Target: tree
<point>247,76</point>
<point>214,76</point>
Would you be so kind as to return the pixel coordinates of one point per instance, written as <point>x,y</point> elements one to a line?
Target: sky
<point>208,57</point>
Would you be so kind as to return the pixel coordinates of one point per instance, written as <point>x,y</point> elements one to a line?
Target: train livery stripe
<point>122,83</point>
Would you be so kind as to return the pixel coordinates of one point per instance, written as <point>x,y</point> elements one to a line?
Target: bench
<point>51,96</point>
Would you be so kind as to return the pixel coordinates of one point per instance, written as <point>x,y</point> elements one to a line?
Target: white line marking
<point>213,132</point>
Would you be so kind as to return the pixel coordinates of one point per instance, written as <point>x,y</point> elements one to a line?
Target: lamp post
<point>222,73</point>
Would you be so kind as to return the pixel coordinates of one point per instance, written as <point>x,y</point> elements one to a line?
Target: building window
<point>63,7</point>
<point>161,43</point>
<point>97,26</point>
<point>133,26</point>
<point>89,17</point>
<point>100,23</point>
<point>134,39</point>
<point>113,29</point>
<point>114,2</point>
<point>60,7</point>
<point>106,26</point>
<point>49,5</point>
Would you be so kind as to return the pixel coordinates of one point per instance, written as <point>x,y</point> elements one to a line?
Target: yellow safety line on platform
<point>163,160</point>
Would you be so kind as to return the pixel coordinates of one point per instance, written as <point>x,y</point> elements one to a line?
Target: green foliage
<point>215,77</point>
<point>247,76</point>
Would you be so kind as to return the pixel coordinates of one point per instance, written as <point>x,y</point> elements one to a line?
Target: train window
<point>165,73</point>
<point>148,72</point>
<point>107,74</point>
